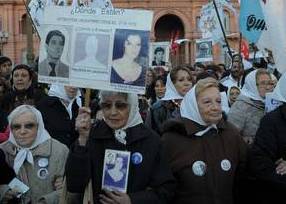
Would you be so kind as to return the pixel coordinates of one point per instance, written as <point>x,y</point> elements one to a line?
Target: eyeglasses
<point>265,83</point>
<point>118,105</point>
<point>28,126</point>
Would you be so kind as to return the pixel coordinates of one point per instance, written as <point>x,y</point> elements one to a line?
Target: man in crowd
<point>53,66</point>
<point>235,77</point>
<point>5,67</point>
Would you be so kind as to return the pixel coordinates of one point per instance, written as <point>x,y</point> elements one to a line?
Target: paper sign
<point>115,170</point>
<point>104,49</point>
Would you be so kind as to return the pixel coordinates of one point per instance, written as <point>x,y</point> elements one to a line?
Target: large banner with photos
<point>104,49</point>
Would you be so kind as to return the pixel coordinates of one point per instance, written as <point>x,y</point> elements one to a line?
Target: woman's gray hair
<point>104,94</point>
<point>26,109</point>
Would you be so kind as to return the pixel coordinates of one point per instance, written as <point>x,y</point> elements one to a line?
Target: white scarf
<point>134,118</point>
<point>171,91</point>
<point>279,92</point>
<point>24,153</point>
<point>59,91</point>
<point>189,109</point>
<point>250,89</point>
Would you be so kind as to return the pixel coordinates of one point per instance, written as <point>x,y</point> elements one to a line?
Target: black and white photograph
<point>159,54</point>
<point>91,50</point>
<point>130,57</point>
<point>204,50</point>
<point>115,172</point>
<point>51,64</point>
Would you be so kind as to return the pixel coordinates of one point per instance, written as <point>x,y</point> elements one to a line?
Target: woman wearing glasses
<point>37,159</point>
<point>249,107</point>
<point>149,179</point>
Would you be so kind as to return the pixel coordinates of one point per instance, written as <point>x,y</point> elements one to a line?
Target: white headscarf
<point>171,91</point>
<point>189,109</point>
<point>279,92</point>
<point>59,91</point>
<point>250,89</point>
<point>24,153</point>
<point>134,118</point>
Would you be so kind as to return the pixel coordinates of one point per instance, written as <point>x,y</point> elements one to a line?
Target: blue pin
<point>136,158</point>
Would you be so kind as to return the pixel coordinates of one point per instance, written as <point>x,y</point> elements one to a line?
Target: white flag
<point>275,37</point>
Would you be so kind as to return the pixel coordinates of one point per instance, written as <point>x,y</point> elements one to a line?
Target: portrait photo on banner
<point>91,50</point>
<point>54,57</point>
<point>204,50</point>
<point>159,54</point>
<point>130,57</point>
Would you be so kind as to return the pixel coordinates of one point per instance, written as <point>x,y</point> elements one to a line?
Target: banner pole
<point>222,29</point>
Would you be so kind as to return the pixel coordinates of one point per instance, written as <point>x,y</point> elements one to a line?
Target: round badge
<point>43,173</point>
<point>225,165</point>
<point>43,162</point>
<point>199,168</point>
<point>136,158</point>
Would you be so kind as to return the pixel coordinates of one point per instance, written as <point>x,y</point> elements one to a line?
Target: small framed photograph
<point>115,170</point>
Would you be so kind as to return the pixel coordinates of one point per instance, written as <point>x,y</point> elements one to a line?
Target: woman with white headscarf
<point>249,107</point>
<point>59,111</point>
<point>37,159</point>
<point>179,82</point>
<point>268,153</point>
<point>204,150</point>
<point>149,179</point>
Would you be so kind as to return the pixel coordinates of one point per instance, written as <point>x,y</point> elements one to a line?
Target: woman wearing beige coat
<point>37,159</point>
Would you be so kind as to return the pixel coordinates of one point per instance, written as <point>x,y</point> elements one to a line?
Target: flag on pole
<point>174,45</point>
<point>275,37</point>
<point>244,49</point>
<point>251,20</point>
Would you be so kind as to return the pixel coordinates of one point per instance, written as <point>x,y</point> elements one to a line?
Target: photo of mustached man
<point>53,66</point>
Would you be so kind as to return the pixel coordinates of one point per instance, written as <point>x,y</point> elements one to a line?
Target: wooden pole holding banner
<point>87,97</point>
<point>222,29</point>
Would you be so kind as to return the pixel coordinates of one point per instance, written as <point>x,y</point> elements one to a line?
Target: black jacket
<point>269,146</point>
<point>150,182</point>
<point>57,120</point>
<point>7,173</point>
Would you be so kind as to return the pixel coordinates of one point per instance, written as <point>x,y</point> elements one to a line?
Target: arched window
<point>226,21</point>
<point>23,24</point>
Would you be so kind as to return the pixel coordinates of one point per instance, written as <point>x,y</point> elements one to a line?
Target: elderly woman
<point>179,82</point>
<point>59,112</point>
<point>23,91</point>
<point>37,160</point>
<point>204,150</point>
<point>128,68</point>
<point>268,153</point>
<point>249,107</point>
<point>149,180</point>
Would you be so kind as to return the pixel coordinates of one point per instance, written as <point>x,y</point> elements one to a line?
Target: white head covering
<point>279,92</point>
<point>59,91</point>
<point>189,109</point>
<point>24,153</point>
<point>134,118</point>
<point>171,91</point>
<point>250,89</point>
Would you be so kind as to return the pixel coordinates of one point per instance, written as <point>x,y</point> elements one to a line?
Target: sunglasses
<point>28,126</point>
<point>117,105</point>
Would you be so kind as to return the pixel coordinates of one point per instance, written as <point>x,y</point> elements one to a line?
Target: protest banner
<point>159,54</point>
<point>36,8</point>
<point>104,49</point>
<point>204,50</point>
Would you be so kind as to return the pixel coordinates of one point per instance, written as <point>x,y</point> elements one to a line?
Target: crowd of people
<point>199,135</point>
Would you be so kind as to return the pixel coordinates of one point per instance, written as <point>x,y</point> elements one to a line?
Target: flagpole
<point>222,29</point>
